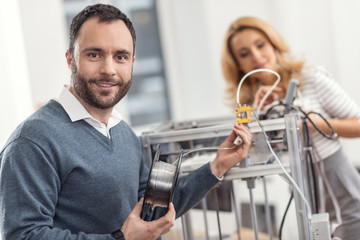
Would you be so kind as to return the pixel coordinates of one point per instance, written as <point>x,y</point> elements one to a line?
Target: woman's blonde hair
<point>287,66</point>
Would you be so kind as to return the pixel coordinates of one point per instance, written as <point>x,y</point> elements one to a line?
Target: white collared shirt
<point>77,111</point>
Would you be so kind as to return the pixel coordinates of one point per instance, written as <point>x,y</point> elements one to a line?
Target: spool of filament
<point>161,184</point>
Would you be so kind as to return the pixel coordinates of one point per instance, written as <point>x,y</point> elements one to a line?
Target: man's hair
<point>105,13</point>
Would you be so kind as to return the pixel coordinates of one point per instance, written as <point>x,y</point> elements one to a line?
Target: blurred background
<point>177,73</point>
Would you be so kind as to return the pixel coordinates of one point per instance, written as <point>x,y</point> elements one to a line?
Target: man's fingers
<point>138,207</point>
<point>164,223</point>
<point>243,132</point>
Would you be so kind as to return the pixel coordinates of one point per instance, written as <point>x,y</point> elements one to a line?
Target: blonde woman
<point>252,43</point>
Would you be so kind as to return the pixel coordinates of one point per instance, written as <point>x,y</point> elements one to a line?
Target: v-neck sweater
<point>65,180</point>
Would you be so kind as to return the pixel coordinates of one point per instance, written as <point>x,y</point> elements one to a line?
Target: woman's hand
<point>260,93</point>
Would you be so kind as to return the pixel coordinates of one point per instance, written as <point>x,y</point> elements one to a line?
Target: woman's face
<point>253,50</point>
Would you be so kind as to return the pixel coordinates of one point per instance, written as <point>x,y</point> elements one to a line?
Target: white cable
<point>267,140</point>
<point>267,93</point>
<point>321,171</point>
<point>205,148</point>
<point>328,186</point>
<point>292,180</point>
<point>284,170</point>
<point>277,159</point>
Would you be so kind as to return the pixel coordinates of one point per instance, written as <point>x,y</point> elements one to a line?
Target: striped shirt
<point>321,93</point>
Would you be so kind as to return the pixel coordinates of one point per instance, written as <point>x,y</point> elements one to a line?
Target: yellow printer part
<point>243,114</point>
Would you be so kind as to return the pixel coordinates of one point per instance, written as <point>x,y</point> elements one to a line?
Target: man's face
<point>102,63</point>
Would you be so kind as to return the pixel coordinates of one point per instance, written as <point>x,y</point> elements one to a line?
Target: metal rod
<point>217,212</point>
<point>186,226</point>
<point>267,212</point>
<point>297,174</point>
<point>204,207</point>
<point>251,185</point>
<point>236,210</point>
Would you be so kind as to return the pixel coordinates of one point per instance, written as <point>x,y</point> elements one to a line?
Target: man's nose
<point>108,66</point>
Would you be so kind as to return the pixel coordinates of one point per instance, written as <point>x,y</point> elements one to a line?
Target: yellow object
<point>242,114</point>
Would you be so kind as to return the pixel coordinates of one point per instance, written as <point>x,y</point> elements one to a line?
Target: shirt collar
<point>77,111</point>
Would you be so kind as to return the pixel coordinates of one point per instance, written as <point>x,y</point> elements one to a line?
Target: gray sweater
<point>65,180</point>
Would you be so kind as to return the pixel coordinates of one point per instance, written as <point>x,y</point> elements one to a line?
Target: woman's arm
<point>343,112</point>
<point>347,128</point>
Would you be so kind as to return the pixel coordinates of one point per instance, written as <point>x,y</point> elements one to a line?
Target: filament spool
<point>161,183</point>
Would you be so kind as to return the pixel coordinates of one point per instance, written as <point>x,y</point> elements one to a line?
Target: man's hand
<point>227,158</point>
<point>134,228</point>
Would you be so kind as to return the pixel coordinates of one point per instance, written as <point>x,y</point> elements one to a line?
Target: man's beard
<point>83,90</point>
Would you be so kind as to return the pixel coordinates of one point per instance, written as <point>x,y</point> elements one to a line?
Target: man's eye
<point>93,55</point>
<point>121,57</point>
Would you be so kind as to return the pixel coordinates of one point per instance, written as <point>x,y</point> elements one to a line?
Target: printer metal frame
<point>207,129</point>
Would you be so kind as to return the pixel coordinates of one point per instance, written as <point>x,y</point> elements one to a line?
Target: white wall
<point>33,66</point>
<point>45,38</point>
<point>15,95</point>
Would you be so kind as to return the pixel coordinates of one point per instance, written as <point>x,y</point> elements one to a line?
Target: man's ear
<point>68,59</point>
